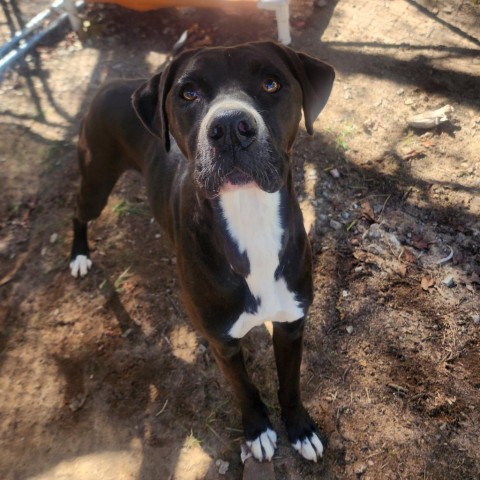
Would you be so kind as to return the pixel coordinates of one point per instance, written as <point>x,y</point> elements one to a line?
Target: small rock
<point>201,349</point>
<point>349,329</point>
<point>53,237</point>
<point>394,241</point>
<point>43,251</point>
<point>222,466</point>
<point>449,281</point>
<point>448,9</point>
<point>377,209</point>
<point>335,225</point>
<point>375,231</point>
<point>335,173</point>
<point>476,318</point>
<point>400,91</point>
<point>358,269</point>
<point>326,195</point>
<point>127,332</point>
<point>346,215</point>
<point>360,468</point>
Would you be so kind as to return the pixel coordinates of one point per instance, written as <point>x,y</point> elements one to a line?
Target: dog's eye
<point>189,94</point>
<point>270,85</point>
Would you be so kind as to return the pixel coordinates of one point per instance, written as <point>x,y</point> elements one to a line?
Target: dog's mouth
<point>237,178</point>
<point>216,171</point>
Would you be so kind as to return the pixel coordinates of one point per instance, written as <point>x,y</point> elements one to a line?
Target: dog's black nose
<point>232,128</point>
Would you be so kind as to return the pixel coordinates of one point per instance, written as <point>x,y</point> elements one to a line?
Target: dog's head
<point>234,111</point>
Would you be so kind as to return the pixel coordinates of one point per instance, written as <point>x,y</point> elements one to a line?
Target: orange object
<point>280,7</point>
<point>145,5</point>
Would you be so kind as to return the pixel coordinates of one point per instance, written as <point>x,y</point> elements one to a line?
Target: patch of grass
<point>191,441</point>
<point>343,135</point>
<point>121,279</point>
<point>124,208</point>
<point>409,139</point>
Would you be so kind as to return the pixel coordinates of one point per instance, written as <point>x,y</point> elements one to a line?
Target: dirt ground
<point>103,378</point>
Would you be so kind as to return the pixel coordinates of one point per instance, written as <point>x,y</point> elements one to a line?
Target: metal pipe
<point>29,27</point>
<point>14,54</point>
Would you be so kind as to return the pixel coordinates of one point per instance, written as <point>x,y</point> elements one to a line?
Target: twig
<point>407,193</point>
<point>383,207</point>
<point>447,258</point>
<point>18,264</point>
<point>398,388</point>
<point>175,306</point>
<point>163,408</point>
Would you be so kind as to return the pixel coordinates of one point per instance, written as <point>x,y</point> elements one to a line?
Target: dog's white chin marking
<point>80,266</point>
<point>253,221</point>
<point>263,447</point>
<point>310,448</point>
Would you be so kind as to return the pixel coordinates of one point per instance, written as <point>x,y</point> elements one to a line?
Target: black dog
<point>212,136</point>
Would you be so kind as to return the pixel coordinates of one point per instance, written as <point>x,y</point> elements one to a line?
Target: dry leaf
<point>414,154</point>
<point>419,243</point>
<point>428,143</point>
<point>367,211</point>
<point>400,268</point>
<point>408,256</point>
<point>427,282</point>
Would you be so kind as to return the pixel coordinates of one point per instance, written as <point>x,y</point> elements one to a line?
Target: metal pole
<point>9,54</point>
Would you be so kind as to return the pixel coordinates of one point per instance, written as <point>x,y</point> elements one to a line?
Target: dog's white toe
<point>263,447</point>
<point>80,265</point>
<point>310,448</point>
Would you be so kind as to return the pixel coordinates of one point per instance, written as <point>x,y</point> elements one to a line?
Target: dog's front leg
<point>301,429</point>
<point>259,433</point>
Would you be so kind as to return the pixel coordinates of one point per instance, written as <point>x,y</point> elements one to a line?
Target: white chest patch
<point>253,221</point>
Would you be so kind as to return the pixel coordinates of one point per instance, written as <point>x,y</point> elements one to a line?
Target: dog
<point>212,135</point>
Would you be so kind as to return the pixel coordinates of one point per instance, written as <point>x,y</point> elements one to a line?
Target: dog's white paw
<point>310,448</point>
<point>80,265</point>
<point>263,447</point>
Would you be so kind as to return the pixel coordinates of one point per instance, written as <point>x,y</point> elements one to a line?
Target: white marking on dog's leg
<point>310,448</point>
<point>263,447</point>
<point>80,265</point>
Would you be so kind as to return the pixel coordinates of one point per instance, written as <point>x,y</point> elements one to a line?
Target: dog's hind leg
<point>100,170</point>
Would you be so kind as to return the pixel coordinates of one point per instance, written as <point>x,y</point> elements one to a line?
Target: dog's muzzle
<point>234,149</point>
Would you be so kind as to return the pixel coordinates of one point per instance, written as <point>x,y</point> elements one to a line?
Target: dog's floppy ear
<point>315,78</point>
<point>149,99</point>
<point>146,102</point>
<point>317,82</point>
